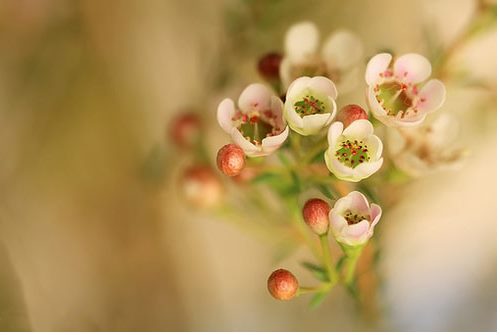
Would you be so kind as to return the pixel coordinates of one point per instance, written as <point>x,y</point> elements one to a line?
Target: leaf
<point>317,299</point>
<point>326,191</point>
<point>318,271</point>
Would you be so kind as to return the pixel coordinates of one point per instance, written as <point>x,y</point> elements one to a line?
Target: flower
<point>230,160</point>
<point>310,104</point>
<point>354,153</point>
<point>201,187</point>
<point>340,58</point>
<point>185,129</point>
<point>282,284</point>
<point>257,126</point>
<point>315,213</point>
<point>426,149</point>
<point>350,113</point>
<point>353,219</point>
<point>397,95</point>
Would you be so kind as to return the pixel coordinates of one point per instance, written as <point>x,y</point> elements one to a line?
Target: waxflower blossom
<point>185,129</point>
<point>339,59</point>
<point>257,125</point>
<point>315,213</point>
<point>426,149</point>
<point>230,160</point>
<point>282,284</point>
<point>397,94</point>
<point>201,187</point>
<point>310,104</point>
<point>354,153</point>
<point>353,219</point>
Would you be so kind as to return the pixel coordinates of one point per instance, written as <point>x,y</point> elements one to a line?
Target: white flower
<point>397,95</point>
<point>353,153</point>
<point>310,104</point>
<point>339,59</point>
<point>426,149</point>
<point>353,219</point>
<point>257,126</point>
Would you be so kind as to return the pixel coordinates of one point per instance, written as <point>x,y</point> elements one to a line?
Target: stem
<point>327,258</point>
<point>314,151</point>
<point>351,261</point>
<point>306,290</point>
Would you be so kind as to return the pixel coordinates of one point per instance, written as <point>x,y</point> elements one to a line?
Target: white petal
<point>296,88</point>
<point>366,169</point>
<point>357,233</point>
<point>255,97</point>
<point>314,123</point>
<point>359,129</point>
<point>301,42</point>
<point>293,119</point>
<point>375,107</point>
<point>277,109</point>
<point>248,147</point>
<point>377,65</point>
<point>225,113</point>
<point>375,146</point>
<point>342,50</point>
<point>334,132</point>
<point>358,202</point>
<point>432,96</point>
<point>323,85</point>
<point>412,68</point>
<point>336,167</point>
<point>271,143</point>
<point>337,222</point>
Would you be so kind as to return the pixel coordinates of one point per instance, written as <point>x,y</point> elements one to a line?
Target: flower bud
<point>269,66</point>
<point>315,213</point>
<point>230,160</point>
<point>201,187</point>
<point>282,284</point>
<point>185,129</point>
<point>350,113</point>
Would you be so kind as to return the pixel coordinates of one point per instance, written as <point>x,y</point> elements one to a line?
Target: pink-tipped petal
<point>271,143</point>
<point>358,202</point>
<point>225,113</point>
<point>359,129</point>
<point>342,50</point>
<point>432,96</point>
<point>337,222</point>
<point>375,214</point>
<point>301,42</point>
<point>376,67</point>
<point>412,68</point>
<point>357,232</point>
<point>323,85</point>
<point>255,97</point>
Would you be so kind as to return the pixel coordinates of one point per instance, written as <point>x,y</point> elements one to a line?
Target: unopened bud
<point>269,66</point>
<point>185,129</point>
<point>315,213</point>
<point>201,186</point>
<point>230,160</point>
<point>282,284</point>
<point>350,113</point>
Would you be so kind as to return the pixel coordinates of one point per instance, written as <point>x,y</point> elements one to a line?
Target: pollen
<point>353,218</point>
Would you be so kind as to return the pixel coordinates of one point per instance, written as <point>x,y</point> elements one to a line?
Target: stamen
<point>353,153</point>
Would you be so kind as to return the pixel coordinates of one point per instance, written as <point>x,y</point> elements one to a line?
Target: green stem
<point>320,146</point>
<point>327,258</point>
<point>352,257</point>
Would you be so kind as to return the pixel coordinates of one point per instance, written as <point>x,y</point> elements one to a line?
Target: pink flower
<point>353,219</point>
<point>257,125</point>
<point>397,94</point>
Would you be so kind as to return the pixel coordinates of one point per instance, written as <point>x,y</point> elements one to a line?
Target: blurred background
<point>94,234</point>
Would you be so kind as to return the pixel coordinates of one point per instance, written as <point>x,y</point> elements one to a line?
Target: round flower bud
<point>269,66</point>
<point>315,213</point>
<point>282,284</point>
<point>185,129</point>
<point>350,113</point>
<point>231,160</point>
<point>201,186</point>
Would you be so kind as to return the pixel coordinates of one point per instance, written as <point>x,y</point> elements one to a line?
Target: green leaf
<point>317,299</point>
<point>317,271</point>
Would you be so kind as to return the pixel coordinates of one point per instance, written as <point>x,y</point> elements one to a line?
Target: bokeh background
<point>93,238</point>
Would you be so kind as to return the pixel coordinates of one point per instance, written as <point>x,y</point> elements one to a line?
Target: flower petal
<point>432,96</point>
<point>358,202</point>
<point>375,146</point>
<point>255,97</point>
<point>271,143</point>
<point>337,222</point>
<point>314,123</point>
<point>296,88</point>
<point>375,214</point>
<point>412,68</point>
<point>323,85</point>
<point>337,168</point>
<point>301,42</point>
<point>366,169</point>
<point>376,66</point>
<point>356,234</point>
<point>294,120</point>
<point>342,50</point>
<point>249,148</point>
<point>334,132</point>
<point>225,113</point>
<point>359,129</point>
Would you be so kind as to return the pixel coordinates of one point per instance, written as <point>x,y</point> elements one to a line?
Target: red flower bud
<point>282,284</point>
<point>230,160</point>
<point>185,129</point>
<point>315,213</point>
<point>350,113</point>
<point>269,66</point>
<point>201,186</point>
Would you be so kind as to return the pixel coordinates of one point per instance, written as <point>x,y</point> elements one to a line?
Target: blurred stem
<point>318,147</point>
<point>352,256</point>
<point>327,259</point>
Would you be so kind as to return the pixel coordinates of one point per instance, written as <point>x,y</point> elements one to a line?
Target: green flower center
<point>352,153</point>
<point>309,105</point>
<point>255,128</point>
<point>352,218</point>
<point>394,98</point>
